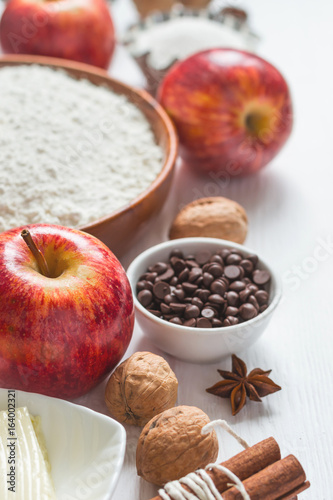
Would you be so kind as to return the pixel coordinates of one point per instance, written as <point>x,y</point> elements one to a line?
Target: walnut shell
<point>140,388</point>
<point>215,217</point>
<point>146,7</point>
<point>171,445</point>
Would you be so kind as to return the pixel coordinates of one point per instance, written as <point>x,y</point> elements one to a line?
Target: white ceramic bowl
<point>199,345</point>
<point>86,449</point>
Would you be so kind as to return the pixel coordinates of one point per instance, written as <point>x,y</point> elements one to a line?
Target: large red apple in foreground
<point>232,110</point>
<point>60,335</point>
<point>81,30</point>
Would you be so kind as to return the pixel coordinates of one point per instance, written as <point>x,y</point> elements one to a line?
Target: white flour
<point>70,152</point>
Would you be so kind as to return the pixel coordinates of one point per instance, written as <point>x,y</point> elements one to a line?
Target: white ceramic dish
<point>86,449</point>
<point>199,345</point>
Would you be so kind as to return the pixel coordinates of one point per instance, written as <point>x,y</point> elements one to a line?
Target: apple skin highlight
<point>232,110</point>
<point>61,336</point>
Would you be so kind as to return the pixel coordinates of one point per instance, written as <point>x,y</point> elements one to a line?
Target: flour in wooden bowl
<point>70,152</point>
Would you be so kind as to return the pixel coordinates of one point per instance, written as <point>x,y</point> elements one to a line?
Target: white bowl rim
<point>187,329</point>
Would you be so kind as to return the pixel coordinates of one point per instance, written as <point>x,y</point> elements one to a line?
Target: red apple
<point>71,29</point>
<point>60,335</point>
<point>232,110</point>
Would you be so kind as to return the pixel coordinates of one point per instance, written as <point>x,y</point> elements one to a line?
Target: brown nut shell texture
<point>215,217</point>
<point>140,388</point>
<point>171,445</point>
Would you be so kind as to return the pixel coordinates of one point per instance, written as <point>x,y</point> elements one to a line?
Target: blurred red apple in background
<point>81,30</point>
<point>60,335</point>
<point>232,110</point>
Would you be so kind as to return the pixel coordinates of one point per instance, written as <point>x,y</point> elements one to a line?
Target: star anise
<point>237,385</point>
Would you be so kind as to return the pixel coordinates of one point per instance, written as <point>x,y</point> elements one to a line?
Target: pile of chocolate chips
<point>205,290</point>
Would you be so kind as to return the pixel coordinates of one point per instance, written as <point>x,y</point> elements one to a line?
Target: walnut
<point>140,388</point>
<point>171,445</point>
<point>146,7</point>
<point>214,217</point>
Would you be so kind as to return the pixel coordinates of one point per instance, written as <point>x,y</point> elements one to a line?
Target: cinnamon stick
<point>245,464</point>
<point>278,481</point>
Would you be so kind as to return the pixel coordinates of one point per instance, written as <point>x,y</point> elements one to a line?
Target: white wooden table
<point>289,205</point>
<point>290,211</point>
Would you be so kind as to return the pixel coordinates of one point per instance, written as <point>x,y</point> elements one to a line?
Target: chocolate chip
<point>247,265</point>
<point>224,253</point>
<point>208,312</point>
<point>203,257</point>
<point>197,302</point>
<point>177,307</point>
<point>169,273</point>
<point>191,263</point>
<point>206,267</point>
<point>176,252</point>
<point>232,272</point>
<point>177,264</point>
<point>145,297</point>
<point>159,267</point>
<point>203,323</point>
<point>244,295</point>
<point>253,258</point>
<point>199,281</point>
<point>174,281</point>
<point>216,323</point>
<point>263,308</point>
<point>168,299</point>
<point>192,322</point>
<point>232,311</point>
<point>141,285</point>
<point>216,270</point>
<point>252,300</point>
<point>179,293</point>
<point>253,288</point>
<point>161,289</point>
<point>189,288</point>
<point>262,297</point>
<point>242,273</point>
<point>216,307</point>
<point>261,276</point>
<point>232,298</point>
<point>218,287</point>
<point>207,279</point>
<point>233,259</point>
<point>183,276</point>
<point>195,273</point>
<point>230,321</point>
<point>247,311</point>
<point>151,277</point>
<point>237,286</point>
<point>204,294</point>
<point>191,312</point>
<point>165,309</point>
<point>216,299</point>
<point>149,286</point>
<point>176,321</point>
<point>217,258</point>
<point>155,312</point>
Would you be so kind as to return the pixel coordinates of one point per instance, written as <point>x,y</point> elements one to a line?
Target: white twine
<point>200,482</point>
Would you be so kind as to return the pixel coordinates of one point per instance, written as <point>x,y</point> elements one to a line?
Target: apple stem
<point>42,264</point>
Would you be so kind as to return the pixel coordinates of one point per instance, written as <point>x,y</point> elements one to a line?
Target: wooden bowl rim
<point>170,151</point>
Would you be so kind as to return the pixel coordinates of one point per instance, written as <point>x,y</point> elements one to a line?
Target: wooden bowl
<point>118,229</point>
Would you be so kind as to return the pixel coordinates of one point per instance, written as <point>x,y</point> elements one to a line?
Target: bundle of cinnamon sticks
<point>264,474</point>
